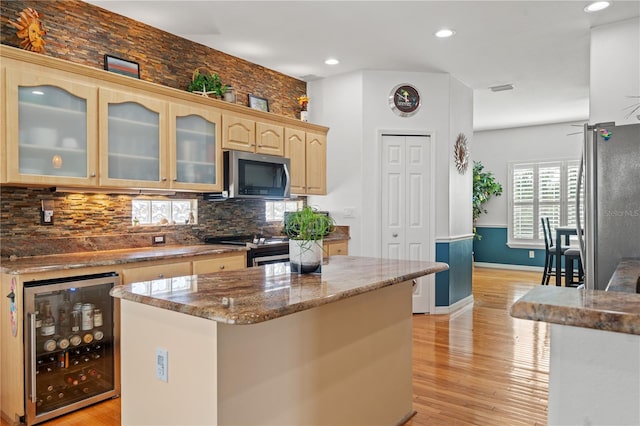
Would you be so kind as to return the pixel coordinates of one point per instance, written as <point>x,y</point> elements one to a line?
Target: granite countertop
<point>617,309</point>
<point>38,264</point>
<point>267,292</point>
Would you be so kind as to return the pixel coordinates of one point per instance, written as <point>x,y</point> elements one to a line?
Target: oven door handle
<point>257,260</point>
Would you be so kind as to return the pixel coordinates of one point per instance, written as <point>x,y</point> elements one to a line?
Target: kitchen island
<point>594,375</point>
<point>264,346</point>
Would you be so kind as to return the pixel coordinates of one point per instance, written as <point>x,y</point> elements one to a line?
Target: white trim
<point>508,266</point>
<point>454,238</point>
<point>491,226</point>
<point>448,310</point>
<point>535,246</point>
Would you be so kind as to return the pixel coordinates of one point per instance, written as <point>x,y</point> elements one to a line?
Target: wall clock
<point>404,100</point>
<point>461,153</point>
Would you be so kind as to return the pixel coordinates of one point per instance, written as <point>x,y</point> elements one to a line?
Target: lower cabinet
<point>336,248</point>
<point>155,272</point>
<point>220,263</point>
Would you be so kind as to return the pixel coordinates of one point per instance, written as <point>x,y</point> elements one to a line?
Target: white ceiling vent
<point>502,87</point>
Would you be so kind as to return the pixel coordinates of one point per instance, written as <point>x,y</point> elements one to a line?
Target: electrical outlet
<point>162,365</point>
<point>532,254</point>
<point>158,239</point>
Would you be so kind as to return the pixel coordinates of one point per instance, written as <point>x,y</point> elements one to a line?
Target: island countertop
<point>617,309</point>
<point>267,292</point>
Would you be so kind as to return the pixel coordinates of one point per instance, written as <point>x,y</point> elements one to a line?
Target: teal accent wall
<point>492,248</point>
<point>455,284</point>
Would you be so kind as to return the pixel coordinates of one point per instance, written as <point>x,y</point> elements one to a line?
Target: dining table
<point>562,233</point>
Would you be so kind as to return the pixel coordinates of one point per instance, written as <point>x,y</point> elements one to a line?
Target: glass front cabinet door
<point>195,150</point>
<point>51,130</point>
<point>132,140</point>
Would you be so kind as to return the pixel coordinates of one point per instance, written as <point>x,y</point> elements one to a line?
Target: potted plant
<point>306,229</point>
<point>485,186</point>
<point>206,84</point>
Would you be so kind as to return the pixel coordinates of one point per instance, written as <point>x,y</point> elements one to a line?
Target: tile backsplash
<point>87,222</point>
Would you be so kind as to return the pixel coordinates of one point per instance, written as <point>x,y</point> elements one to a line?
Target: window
<point>274,210</point>
<point>536,190</point>
<point>164,212</point>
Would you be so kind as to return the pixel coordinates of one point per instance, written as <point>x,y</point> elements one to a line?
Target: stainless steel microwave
<point>248,175</point>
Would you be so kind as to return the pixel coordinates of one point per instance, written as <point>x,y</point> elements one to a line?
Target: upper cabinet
<point>195,149</point>
<point>308,154</point>
<point>51,131</point>
<point>71,125</point>
<point>133,140</point>
<point>243,133</point>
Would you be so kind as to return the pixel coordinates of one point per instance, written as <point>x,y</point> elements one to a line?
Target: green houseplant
<point>485,186</point>
<point>207,83</point>
<point>306,229</point>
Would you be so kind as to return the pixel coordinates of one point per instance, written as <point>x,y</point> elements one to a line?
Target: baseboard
<point>509,266</point>
<point>448,310</point>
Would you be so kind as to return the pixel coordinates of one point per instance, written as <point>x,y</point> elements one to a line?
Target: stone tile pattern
<point>82,33</point>
<point>93,222</point>
<point>59,262</point>
<point>617,311</point>
<point>264,293</point>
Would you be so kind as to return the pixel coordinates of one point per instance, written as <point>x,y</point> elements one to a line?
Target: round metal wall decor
<point>461,153</point>
<point>404,100</point>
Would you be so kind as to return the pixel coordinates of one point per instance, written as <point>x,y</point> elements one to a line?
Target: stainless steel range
<point>261,250</point>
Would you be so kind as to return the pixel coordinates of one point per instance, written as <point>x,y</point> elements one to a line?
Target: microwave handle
<point>287,187</point>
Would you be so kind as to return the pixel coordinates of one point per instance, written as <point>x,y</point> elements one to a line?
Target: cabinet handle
<point>394,235</point>
<point>92,175</point>
<point>164,179</point>
<point>161,276</point>
<point>221,266</point>
<point>414,283</point>
<point>175,179</point>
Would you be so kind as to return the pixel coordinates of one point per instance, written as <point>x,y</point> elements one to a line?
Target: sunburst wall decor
<point>30,30</point>
<point>461,153</point>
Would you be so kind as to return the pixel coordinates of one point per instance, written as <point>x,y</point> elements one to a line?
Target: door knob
<point>394,235</point>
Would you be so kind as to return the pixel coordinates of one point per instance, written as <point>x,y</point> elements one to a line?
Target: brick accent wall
<point>82,33</point>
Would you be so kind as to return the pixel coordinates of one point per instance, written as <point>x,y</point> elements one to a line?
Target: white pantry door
<point>406,206</point>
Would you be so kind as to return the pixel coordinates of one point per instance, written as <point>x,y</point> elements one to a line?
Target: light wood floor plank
<point>478,366</point>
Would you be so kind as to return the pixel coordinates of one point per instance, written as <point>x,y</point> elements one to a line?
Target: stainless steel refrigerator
<point>611,227</point>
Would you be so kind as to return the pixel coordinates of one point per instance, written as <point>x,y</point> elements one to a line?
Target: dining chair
<point>571,256</point>
<point>550,261</point>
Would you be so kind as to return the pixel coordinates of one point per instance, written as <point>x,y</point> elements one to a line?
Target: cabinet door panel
<point>238,133</point>
<point>195,151</point>
<point>133,139</point>
<point>147,273</point>
<point>219,264</point>
<point>51,134</point>
<point>316,164</point>
<point>269,139</point>
<point>295,150</point>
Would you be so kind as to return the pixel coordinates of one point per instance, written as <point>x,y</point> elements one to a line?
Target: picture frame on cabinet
<point>121,66</point>
<point>256,102</point>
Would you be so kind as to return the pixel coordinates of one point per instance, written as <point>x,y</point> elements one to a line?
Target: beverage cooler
<point>71,342</point>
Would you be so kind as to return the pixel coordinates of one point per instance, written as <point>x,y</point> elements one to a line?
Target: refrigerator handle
<point>32,355</point>
<point>579,228</point>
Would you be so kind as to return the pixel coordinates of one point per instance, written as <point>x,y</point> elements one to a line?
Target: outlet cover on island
<point>162,364</point>
<point>158,239</point>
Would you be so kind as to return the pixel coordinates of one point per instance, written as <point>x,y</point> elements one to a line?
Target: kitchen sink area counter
<point>333,348</point>
<point>594,375</point>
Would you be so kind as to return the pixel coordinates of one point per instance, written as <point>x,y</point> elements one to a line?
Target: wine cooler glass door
<point>70,344</point>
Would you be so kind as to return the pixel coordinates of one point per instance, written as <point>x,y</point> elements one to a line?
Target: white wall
<point>356,108</point>
<point>496,148</point>
<point>615,71</point>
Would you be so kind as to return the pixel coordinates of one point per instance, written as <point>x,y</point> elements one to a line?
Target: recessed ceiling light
<point>332,61</point>
<point>596,6</point>
<point>444,33</point>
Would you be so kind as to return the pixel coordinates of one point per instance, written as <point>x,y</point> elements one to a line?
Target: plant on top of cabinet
<point>206,83</point>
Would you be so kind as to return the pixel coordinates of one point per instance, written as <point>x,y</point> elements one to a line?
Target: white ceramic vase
<point>304,115</point>
<point>305,256</point>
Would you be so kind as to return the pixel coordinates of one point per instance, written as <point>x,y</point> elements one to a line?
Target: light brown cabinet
<point>242,133</point>
<point>336,247</point>
<point>308,154</point>
<point>155,272</point>
<point>230,262</point>
<point>51,133</point>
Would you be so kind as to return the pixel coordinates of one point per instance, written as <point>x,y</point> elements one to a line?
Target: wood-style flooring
<point>477,366</point>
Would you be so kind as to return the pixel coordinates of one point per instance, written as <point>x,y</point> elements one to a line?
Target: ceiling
<point>542,47</point>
